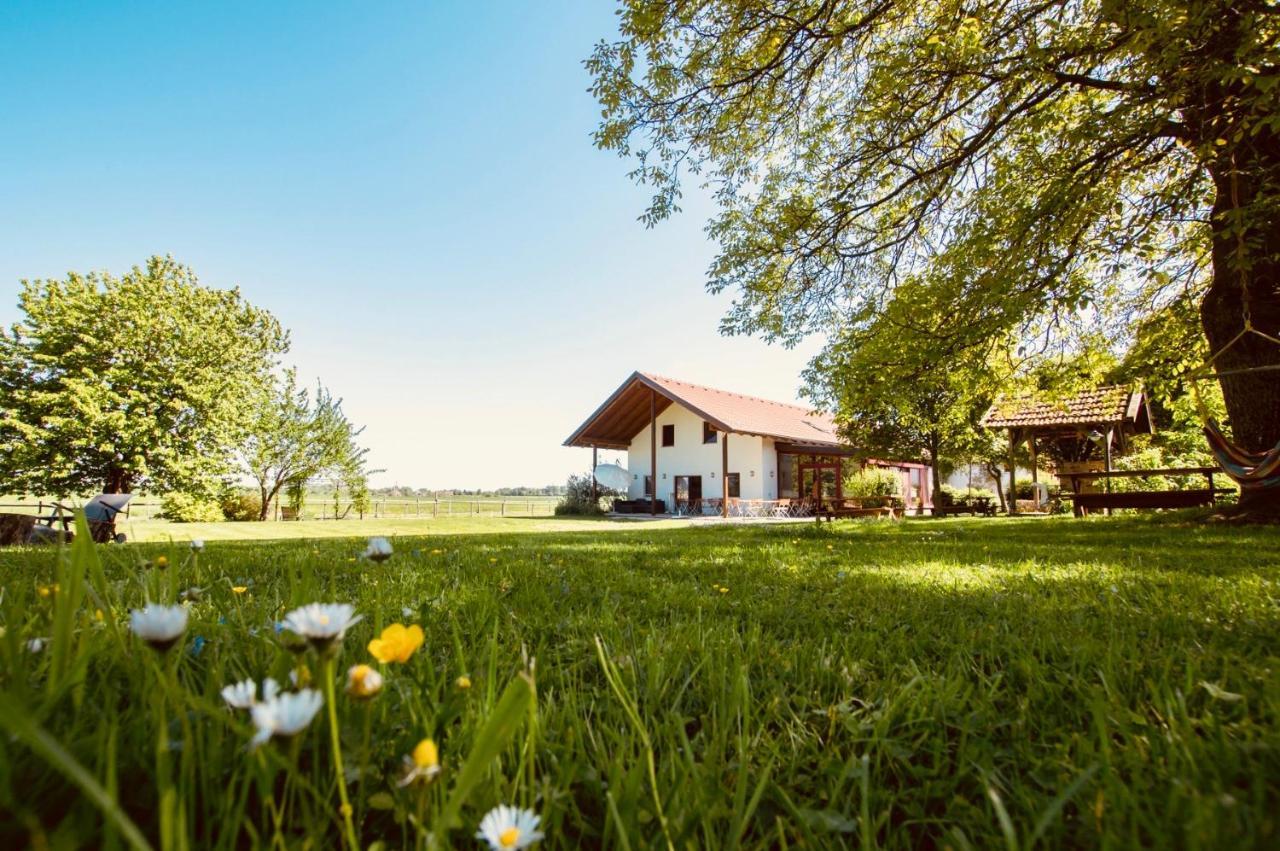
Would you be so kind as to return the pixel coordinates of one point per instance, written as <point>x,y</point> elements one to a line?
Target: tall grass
<point>963,684</point>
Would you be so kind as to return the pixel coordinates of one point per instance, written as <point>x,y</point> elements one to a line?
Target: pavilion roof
<point>1115,405</point>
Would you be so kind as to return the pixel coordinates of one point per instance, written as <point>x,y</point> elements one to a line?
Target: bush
<point>242,506</point>
<point>872,482</point>
<point>577,498</point>
<point>186,508</point>
<point>951,495</point>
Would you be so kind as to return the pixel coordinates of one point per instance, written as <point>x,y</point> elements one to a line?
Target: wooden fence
<point>382,509</point>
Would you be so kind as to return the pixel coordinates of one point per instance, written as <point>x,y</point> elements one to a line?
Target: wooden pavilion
<point>1084,430</point>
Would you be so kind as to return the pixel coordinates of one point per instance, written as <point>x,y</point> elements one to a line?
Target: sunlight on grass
<point>962,683</point>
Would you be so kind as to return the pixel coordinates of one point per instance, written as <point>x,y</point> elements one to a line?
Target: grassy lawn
<point>960,683</point>
<point>162,530</point>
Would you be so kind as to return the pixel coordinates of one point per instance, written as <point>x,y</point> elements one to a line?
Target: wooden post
<point>1110,432</point>
<point>1035,473</point>
<point>1013,473</point>
<point>724,474</point>
<point>653,452</point>
<point>595,492</point>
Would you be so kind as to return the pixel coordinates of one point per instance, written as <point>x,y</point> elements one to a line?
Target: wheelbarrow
<point>100,514</point>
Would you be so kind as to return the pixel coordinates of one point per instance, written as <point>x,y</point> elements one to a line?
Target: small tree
<point>295,440</point>
<point>887,405</point>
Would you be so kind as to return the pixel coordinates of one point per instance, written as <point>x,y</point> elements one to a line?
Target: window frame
<point>669,435</point>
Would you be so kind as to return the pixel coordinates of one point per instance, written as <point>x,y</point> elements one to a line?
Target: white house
<point>700,444</point>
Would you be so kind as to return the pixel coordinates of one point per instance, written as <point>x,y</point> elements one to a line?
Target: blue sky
<point>410,187</point>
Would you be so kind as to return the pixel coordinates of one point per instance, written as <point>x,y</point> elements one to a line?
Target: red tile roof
<point>1100,405</point>
<point>751,414</point>
<point>626,413</point>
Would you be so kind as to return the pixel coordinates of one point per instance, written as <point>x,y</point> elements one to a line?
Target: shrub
<point>186,508</point>
<point>871,482</point>
<point>577,497</point>
<point>242,506</point>
<point>951,494</point>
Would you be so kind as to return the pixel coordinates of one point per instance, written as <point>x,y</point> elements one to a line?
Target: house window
<point>734,489</point>
<point>708,433</point>
<point>668,435</point>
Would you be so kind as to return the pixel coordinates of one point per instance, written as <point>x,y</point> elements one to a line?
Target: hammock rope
<point>1253,471</point>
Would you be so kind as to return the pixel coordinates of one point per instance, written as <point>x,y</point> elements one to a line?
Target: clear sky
<point>409,186</point>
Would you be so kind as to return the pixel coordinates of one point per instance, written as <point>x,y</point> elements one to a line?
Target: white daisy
<point>197,545</point>
<point>322,624</point>
<point>284,715</point>
<point>244,694</point>
<point>159,626</point>
<point>35,645</point>
<point>379,549</point>
<point>506,827</point>
<point>241,695</point>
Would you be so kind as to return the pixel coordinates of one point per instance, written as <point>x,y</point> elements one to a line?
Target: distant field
<point>148,507</point>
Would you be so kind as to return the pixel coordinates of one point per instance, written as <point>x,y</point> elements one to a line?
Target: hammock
<point>1251,470</point>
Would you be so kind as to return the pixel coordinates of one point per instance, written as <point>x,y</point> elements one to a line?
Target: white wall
<point>963,479</point>
<point>691,457</point>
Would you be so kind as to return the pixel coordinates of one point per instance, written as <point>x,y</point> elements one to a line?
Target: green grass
<point>154,531</point>
<point>960,683</point>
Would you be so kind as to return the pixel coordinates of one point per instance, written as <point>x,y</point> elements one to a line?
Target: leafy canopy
<point>145,381</point>
<point>1036,165</point>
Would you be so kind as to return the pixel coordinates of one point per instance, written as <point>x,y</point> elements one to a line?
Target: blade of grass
<point>15,719</point>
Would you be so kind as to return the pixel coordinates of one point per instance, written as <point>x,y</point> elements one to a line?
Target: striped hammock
<point>1250,470</point>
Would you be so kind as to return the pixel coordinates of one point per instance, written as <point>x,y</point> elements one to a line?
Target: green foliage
<point>872,482</point>
<point>295,440</point>
<point>578,500</point>
<point>190,508</point>
<point>1024,171</point>
<point>889,405</point>
<point>879,685</point>
<point>239,506</point>
<point>141,382</point>
<point>952,494</point>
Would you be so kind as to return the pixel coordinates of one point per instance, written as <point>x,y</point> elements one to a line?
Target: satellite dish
<point>105,506</point>
<point>613,476</point>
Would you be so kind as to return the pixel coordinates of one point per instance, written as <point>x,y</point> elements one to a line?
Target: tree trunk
<point>265,508</point>
<point>1246,282</point>
<point>935,467</point>
<point>118,480</point>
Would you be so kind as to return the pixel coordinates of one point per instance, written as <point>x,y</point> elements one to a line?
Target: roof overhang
<point>626,412</point>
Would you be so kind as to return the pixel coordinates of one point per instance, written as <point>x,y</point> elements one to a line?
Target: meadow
<point>958,684</point>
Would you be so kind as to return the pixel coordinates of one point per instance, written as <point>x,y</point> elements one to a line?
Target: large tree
<point>1031,159</point>
<point>144,381</point>
<point>295,440</point>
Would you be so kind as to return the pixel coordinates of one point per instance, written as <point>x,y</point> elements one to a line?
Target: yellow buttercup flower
<point>423,764</point>
<point>363,682</point>
<point>463,682</point>
<point>162,562</point>
<point>397,643</point>
<point>239,589</point>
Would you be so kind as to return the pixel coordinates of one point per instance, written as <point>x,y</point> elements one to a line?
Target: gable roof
<point>626,413</point>
<point>1113,405</point>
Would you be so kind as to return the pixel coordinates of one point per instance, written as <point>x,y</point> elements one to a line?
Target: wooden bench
<point>1083,503</point>
<point>834,512</point>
